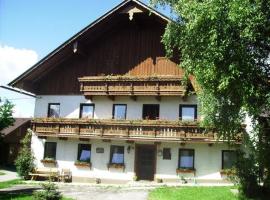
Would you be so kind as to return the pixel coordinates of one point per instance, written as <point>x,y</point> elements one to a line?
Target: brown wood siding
<point>129,47</point>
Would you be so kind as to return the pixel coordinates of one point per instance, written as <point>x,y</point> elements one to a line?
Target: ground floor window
<point>50,150</point>
<point>117,155</point>
<point>84,152</point>
<point>228,159</point>
<point>186,159</point>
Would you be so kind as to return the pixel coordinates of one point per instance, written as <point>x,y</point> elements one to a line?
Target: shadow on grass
<point>20,194</point>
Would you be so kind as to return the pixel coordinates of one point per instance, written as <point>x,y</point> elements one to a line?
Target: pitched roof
<point>76,37</point>
<point>17,124</point>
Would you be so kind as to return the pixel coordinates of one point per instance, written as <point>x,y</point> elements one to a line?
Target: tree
<point>25,160</point>
<point>6,118</point>
<point>225,45</point>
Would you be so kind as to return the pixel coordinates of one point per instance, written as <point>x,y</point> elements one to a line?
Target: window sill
<point>184,170</point>
<point>82,164</point>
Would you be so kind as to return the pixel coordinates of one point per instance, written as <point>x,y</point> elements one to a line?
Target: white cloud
<point>14,62</point>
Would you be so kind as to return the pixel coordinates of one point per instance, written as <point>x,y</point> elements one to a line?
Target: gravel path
<point>9,175</point>
<point>110,193</point>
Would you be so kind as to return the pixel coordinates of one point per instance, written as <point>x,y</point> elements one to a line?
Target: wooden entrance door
<point>145,159</point>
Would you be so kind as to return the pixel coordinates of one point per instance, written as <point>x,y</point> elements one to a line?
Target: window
<point>50,150</point>
<point>188,112</point>
<point>228,159</point>
<point>87,111</point>
<point>84,152</point>
<point>119,111</point>
<point>54,110</point>
<point>117,155</point>
<point>151,111</point>
<point>166,154</point>
<point>186,159</point>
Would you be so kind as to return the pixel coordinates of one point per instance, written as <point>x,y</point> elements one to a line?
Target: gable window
<point>119,111</point>
<point>228,159</point>
<point>151,111</point>
<point>50,150</point>
<point>84,152</point>
<point>117,155</point>
<point>54,110</point>
<point>87,110</point>
<point>188,112</point>
<point>186,159</point>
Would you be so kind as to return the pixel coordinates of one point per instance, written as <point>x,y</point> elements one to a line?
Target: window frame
<point>46,147</point>
<point>113,111</point>
<point>86,104</point>
<point>188,106</point>
<point>147,104</point>
<point>49,106</point>
<point>80,149</point>
<point>193,162</point>
<point>222,157</point>
<point>111,154</point>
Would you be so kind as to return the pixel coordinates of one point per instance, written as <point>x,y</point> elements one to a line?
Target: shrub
<point>25,160</point>
<point>49,192</point>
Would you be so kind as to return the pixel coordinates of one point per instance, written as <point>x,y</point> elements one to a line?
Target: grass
<point>20,197</point>
<point>16,196</point>
<point>192,193</point>
<point>7,184</point>
<point>2,173</point>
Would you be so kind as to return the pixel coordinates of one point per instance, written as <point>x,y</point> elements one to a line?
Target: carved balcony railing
<point>132,86</point>
<point>153,130</point>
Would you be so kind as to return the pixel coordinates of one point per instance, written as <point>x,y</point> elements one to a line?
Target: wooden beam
<point>134,98</point>
<point>106,140</point>
<point>111,97</point>
<point>62,138</point>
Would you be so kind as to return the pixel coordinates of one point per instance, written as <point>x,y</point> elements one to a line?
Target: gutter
<point>18,91</point>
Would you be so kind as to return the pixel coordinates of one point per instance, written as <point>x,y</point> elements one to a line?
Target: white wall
<point>207,159</point>
<point>70,105</point>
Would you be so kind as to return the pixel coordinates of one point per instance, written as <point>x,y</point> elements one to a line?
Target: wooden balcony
<point>142,130</point>
<point>132,86</point>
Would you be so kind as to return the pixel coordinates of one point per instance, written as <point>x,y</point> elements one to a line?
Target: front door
<point>145,162</point>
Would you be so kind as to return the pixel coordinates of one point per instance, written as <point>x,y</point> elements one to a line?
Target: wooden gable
<point>126,42</point>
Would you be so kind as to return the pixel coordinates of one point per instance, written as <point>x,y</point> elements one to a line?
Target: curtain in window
<point>117,155</point>
<point>186,159</point>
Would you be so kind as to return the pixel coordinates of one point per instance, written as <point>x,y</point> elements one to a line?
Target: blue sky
<point>31,29</point>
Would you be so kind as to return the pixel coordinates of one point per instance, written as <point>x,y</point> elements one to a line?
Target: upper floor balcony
<point>144,130</point>
<point>132,86</point>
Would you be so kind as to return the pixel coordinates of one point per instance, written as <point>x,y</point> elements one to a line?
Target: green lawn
<point>7,184</point>
<point>20,196</point>
<point>192,193</point>
<point>2,173</point>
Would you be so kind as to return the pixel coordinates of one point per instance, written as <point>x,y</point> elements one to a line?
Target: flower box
<point>116,165</point>
<point>185,171</point>
<point>227,172</point>
<point>48,161</point>
<point>82,164</point>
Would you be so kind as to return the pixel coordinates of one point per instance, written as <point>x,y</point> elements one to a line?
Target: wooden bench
<point>45,172</point>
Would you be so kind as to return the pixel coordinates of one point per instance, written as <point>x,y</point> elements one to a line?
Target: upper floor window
<point>87,110</point>
<point>84,152</point>
<point>186,159</point>
<point>188,112</point>
<point>50,150</point>
<point>54,110</point>
<point>151,111</point>
<point>119,111</point>
<point>228,159</point>
<point>117,154</point>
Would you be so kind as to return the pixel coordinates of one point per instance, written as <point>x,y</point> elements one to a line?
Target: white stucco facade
<point>207,158</point>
